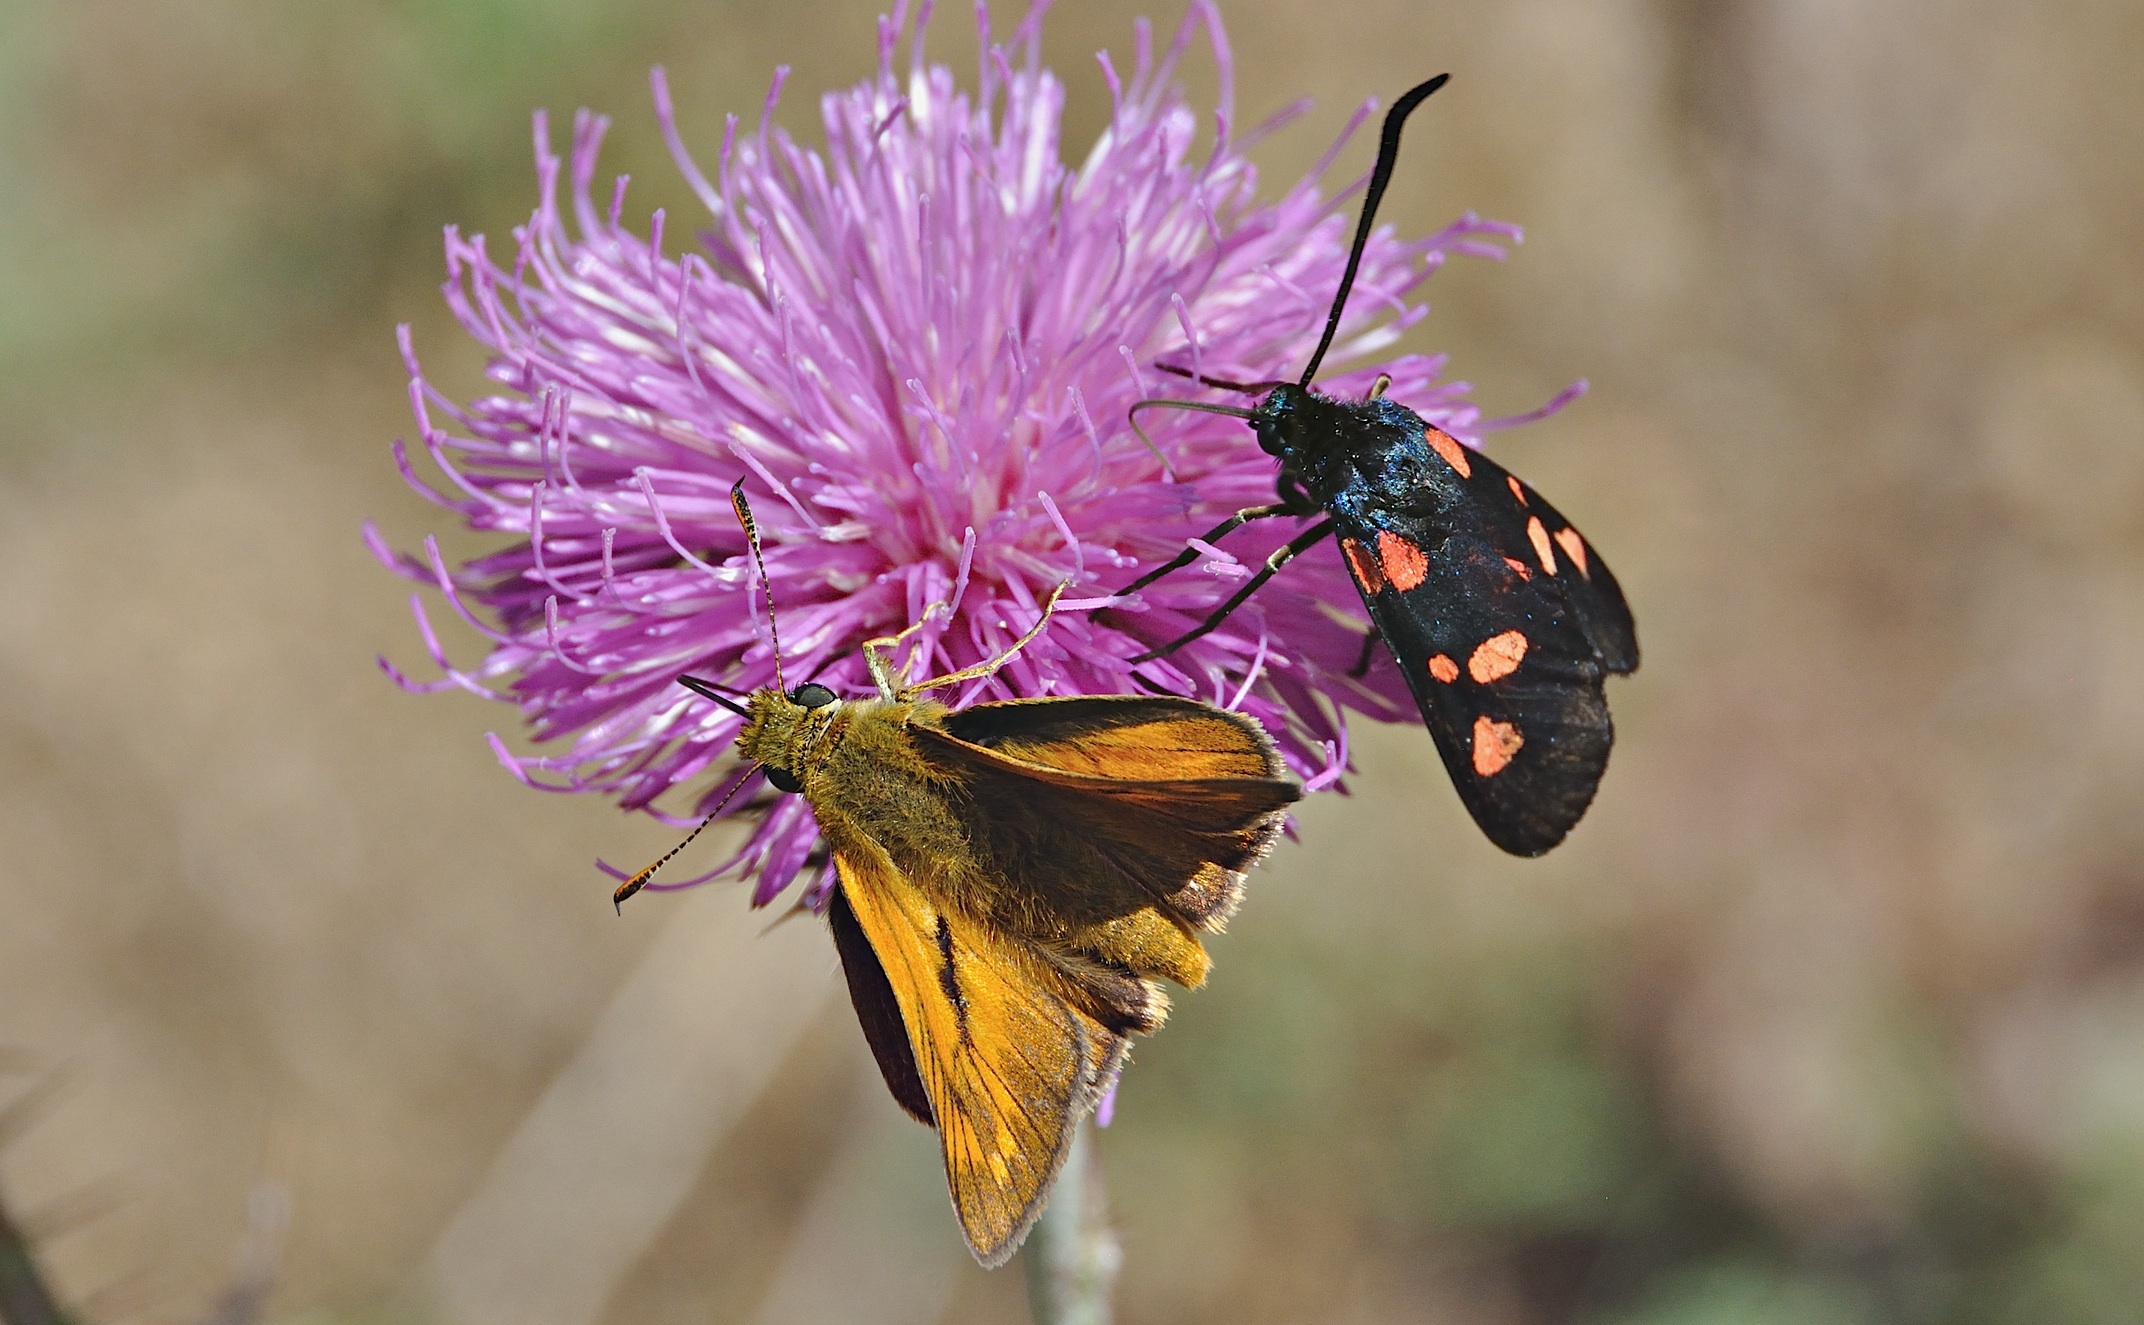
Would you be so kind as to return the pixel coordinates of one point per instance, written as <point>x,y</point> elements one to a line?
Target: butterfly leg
<point>986,667</point>
<point>879,652</point>
<point>1281,556</point>
<point>1191,554</point>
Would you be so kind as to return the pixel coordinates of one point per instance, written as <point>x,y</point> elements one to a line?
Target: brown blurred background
<point>1832,1010</point>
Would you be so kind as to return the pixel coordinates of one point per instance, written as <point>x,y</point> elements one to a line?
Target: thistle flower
<point>918,347</point>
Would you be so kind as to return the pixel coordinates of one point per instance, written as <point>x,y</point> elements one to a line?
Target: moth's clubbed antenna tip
<point>1388,155</point>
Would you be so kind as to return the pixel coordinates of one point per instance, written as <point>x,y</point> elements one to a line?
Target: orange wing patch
<point>1494,745</point>
<point>1403,562</point>
<point>1121,737</point>
<point>1127,823</point>
<point>1444,669</point>
<point>1363,565</point>
<point>1447,446</point>
<point>1573,547</point>
<point>1497,657</point>
<point>1525,571</point>
<point>1516,490</point>
<point>1538,536</point>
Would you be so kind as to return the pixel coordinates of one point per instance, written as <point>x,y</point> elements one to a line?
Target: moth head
<point>1279,420</point>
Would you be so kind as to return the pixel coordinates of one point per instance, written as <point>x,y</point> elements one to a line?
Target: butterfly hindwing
<point>1505,623</point>
<point>878,1010</point>
<point>1008,1062</point>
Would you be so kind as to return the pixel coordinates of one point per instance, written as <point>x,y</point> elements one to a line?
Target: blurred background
<point>1831,1011</point>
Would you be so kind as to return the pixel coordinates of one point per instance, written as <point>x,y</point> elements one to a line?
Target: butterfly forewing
<point>1136,737</point>
<point>1112,807</point>
<point>1505,623</point>
<point>1008,1063</point>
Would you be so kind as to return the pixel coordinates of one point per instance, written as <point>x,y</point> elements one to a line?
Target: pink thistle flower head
<point>918,346</point>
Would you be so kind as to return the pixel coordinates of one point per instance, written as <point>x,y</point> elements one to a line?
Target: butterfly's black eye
<point>811,695</point>
<point>783,779</point>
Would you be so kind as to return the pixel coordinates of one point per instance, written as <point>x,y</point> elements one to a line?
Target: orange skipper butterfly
<point>1014,880</point>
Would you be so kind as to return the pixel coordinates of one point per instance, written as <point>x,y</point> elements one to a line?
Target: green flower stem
<point>24,1298</point>
<point>1072,1255</point>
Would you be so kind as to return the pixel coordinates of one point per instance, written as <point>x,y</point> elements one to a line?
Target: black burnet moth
<point>1502,617</point>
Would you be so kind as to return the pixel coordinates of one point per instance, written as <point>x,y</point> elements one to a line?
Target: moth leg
<point>1281,556</point>
<point>1151,687</point>
<point>1369,651</point>
<point>1191,554</point>
<point>983,669</point>
<point>1377,389</point>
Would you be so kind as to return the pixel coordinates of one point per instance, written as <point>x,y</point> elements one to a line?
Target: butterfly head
<point>782,731</point>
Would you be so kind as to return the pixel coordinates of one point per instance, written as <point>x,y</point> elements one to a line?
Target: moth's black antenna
<point>1388,151</point>
<point>1196,406</point>
<point>751,536</point>
<point>709,690</point>
<point>1247,388</point>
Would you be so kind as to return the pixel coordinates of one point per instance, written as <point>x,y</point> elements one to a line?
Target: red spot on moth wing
<point>1455,455</point>
<point>1537,535</point>
<point>1494,745</point>
<point>1497,657</point>
<point>1516,490</point>
<point>1362,565</point>
<point>1525,571</point>
<point>1573,547</point>
<point>1403,562</point>
<point>1444,669</point>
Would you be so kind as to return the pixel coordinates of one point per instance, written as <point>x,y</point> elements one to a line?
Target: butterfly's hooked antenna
<point>1388,152</point>
<point>640,880</point>
<point>1197,406</point>
<point>751,536</point>
<point>708,690</point>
